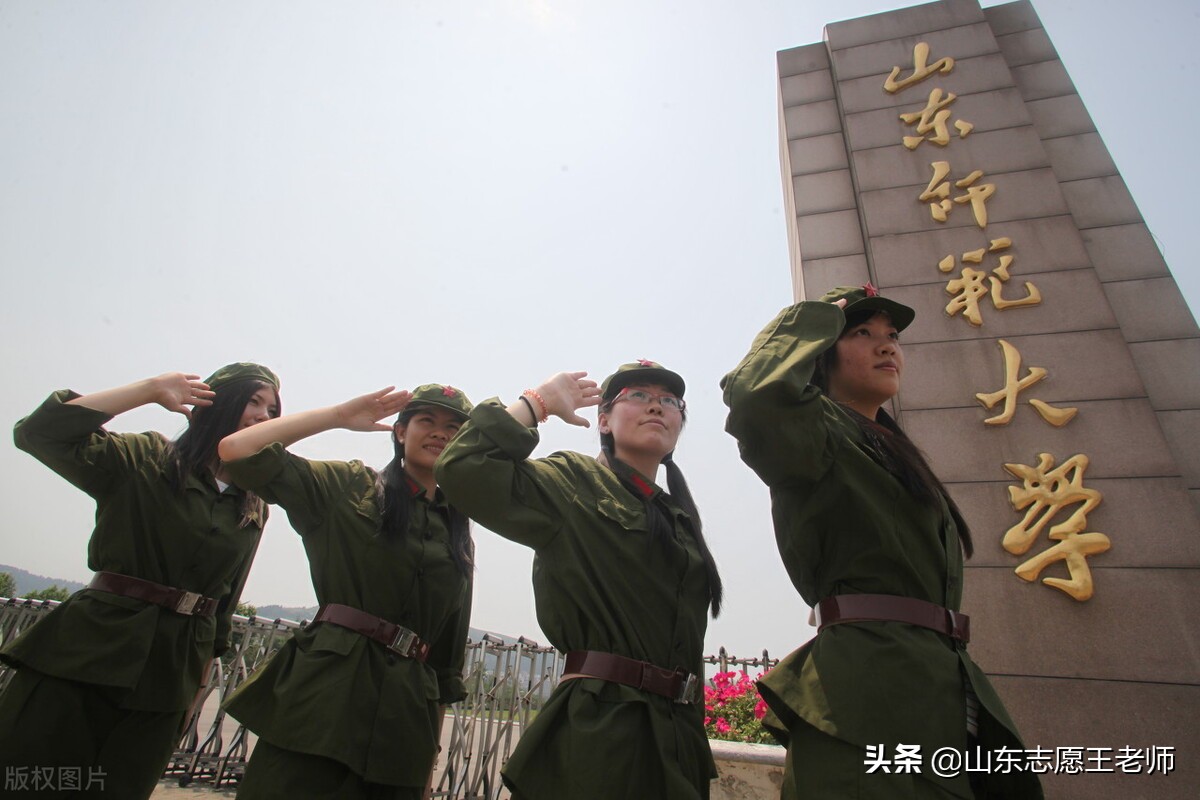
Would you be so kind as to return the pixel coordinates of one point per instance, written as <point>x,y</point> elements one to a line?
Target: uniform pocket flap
<point>631,519</point>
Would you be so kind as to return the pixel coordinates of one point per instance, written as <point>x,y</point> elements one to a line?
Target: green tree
<point>8,585</point>
<point>55,592</point>
<point>246,610</point>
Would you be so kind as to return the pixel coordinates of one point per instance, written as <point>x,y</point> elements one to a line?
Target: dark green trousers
<point>65,739</point>
<point>277,774</point>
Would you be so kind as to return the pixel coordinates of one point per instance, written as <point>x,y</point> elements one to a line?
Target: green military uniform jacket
<point>330,691</point>
<point>145,529</point>
<point>845,525</point>
<point>600,583</point>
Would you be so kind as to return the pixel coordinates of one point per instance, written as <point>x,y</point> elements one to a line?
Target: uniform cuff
<point>256,471</point>
<point>451,688</point>
<point>510,436</point>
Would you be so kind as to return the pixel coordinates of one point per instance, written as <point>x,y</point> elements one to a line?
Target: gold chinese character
<point>969,287</point>
<point>1074,549</point>
<point>1046,492</point>
<point>1013,387</point>
<point>937,194</point>
<point>921,69</point>
<point>933,118</point>
<point>976,195</point>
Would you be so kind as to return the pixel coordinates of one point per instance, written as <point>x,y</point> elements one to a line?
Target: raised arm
<point>174,391</point>
<point>559,396</point>
<point>774,413</point>
<point>486,471</point>
<point>358,414</point>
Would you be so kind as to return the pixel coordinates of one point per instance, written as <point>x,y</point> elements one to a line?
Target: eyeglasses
<point>643,398</point>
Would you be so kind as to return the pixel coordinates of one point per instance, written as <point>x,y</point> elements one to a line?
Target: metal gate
<point>507,682</point>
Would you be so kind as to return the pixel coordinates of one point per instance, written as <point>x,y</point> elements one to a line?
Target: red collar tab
<point>413,486</point>
<point>870,289</point>
<point>449,391</point>
<point>642,486</point>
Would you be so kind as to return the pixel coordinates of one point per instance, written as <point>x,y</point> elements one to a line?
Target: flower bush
<point>733,711</point>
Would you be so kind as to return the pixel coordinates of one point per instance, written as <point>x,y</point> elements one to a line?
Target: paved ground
<point>171,790</point>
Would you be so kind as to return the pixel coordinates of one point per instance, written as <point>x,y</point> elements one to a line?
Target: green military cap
<point>241,371</point>
<point>447,397</point>
<point>641,371</point>
<point>867,298</point>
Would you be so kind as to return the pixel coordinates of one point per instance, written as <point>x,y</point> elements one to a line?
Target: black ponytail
<point>677,487</point>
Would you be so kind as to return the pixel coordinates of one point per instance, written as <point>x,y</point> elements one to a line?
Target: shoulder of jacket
<point>581,473</point>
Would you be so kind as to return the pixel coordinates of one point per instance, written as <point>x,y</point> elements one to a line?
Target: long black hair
<point>396,493</point>
<point>661,528</point>
<point>893,449</point>
<point>195,451</point>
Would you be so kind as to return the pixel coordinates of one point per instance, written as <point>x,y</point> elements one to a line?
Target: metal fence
<point>507,681</point>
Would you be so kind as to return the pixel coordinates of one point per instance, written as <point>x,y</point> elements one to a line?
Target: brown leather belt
<point>178,600</point>
<point>680,686</point>
<point>394,637</point>
<point>892,608</point>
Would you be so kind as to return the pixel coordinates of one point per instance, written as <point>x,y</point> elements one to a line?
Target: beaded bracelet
<point>541,403</point>
<point>529,405</point>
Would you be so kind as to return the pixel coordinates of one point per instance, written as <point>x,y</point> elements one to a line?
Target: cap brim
<point>650,375</point>
<point>458,412</point>
<point>901,315</point>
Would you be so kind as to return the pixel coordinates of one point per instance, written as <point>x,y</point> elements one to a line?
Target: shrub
<point>733,711</point>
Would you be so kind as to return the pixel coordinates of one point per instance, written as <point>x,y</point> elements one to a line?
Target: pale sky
<point>484,193</point>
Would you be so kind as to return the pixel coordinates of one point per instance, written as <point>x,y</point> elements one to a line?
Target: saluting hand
<point>567,392</point>
<point>363,413</point>
<point>175,391</point>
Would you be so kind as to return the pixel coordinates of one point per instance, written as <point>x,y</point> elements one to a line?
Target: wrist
<point>340,417</point>
<point>537,404</point>
<point>154,390</point>
<point>533,414</point>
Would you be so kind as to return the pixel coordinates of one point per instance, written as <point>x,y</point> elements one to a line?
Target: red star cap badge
<point>870,289</point>
<point>449,391</point>
<point>645,362</point>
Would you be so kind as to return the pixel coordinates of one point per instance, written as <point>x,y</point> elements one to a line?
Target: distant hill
<point>293,613</point>
<point>28,582</point>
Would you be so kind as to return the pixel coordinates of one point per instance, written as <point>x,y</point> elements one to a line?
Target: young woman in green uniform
<point>872,540</point>
<point>352,706</point>
<point>622,579</point>
<point>102,684</point>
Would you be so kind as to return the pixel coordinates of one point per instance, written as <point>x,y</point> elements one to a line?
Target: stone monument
<point>941,153</point>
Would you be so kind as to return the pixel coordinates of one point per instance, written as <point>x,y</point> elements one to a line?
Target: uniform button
<point>428,535</point>
<point>391,659</point>
<point>214,529</point>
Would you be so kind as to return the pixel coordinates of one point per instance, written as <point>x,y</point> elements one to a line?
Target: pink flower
<point>733,708</point>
